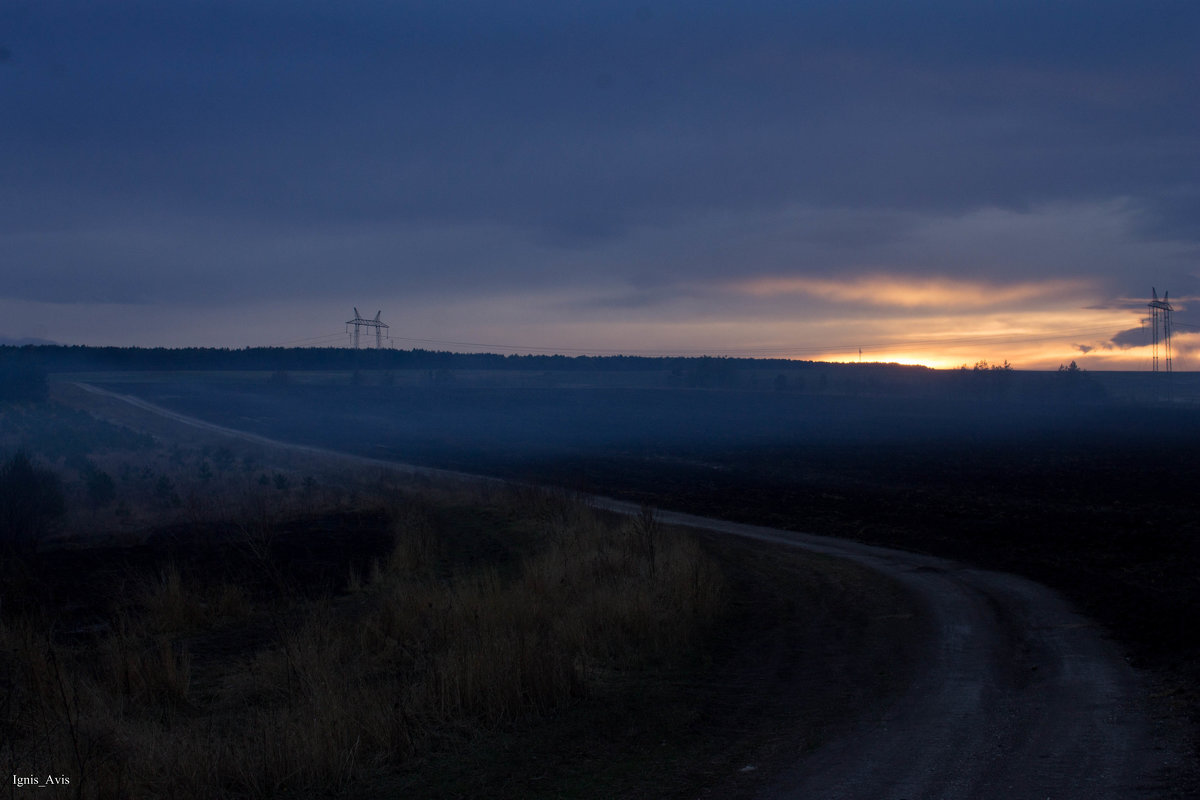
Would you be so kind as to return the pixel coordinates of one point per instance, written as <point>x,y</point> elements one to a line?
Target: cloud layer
<point>648,161</point>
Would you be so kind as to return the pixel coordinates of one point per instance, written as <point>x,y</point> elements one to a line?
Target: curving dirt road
<point>1018,697</point>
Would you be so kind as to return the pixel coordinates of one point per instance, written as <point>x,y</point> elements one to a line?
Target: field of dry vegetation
<point>224,676</point>
<point>203,616</point>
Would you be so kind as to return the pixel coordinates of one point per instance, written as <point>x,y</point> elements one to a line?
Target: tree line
<point>79,358</point>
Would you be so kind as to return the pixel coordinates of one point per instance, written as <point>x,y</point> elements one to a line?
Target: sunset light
<point>600,399</point>
<point>886,291</point>
<point>789,190</point>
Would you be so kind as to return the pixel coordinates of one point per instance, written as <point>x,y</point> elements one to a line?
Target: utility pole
<point>1160,330</point>
<point>359,322</point>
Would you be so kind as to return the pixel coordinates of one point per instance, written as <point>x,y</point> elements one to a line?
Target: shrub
<point>164,492</point>
<point>30,497</point>
<point>101,489</point>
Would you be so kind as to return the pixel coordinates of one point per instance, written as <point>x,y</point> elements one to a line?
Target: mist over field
<point>714,409</point>
<point>229,482</point>
<point>1041,473</point>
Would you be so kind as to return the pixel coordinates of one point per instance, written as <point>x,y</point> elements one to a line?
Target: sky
<point>927,182</point>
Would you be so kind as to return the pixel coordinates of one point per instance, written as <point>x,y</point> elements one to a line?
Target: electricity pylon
<point>360,322</point>
<point>1160,329</point>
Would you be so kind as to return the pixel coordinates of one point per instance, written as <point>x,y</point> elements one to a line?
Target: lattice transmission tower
<point>1160,330</point>
<point>359,322</point>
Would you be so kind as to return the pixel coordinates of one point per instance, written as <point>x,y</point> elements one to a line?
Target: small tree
<point>164,492</point>
<point>30,498</point>
<point>224,459</point>
<point>101,489</point>
<point>1074,383</point>
<point>647,529</point>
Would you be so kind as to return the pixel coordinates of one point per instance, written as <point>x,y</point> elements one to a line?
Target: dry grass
<point>424,651</point>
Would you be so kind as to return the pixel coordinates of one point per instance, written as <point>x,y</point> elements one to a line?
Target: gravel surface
<point>1017,697</point>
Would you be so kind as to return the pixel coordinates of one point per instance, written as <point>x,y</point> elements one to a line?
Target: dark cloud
<point>1134,337</point>
<point>185,151</point>
<point>623,302</point>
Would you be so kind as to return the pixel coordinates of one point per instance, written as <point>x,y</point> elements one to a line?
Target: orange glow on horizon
<point>908,293</point>
<point>1044,356</point>
<point>1028,335</point>
<point>948,323</point>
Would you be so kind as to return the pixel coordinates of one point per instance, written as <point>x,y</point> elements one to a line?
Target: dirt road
<point>1018,696</point>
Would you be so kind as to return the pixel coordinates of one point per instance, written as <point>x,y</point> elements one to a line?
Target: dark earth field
<point>1097,499</point>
